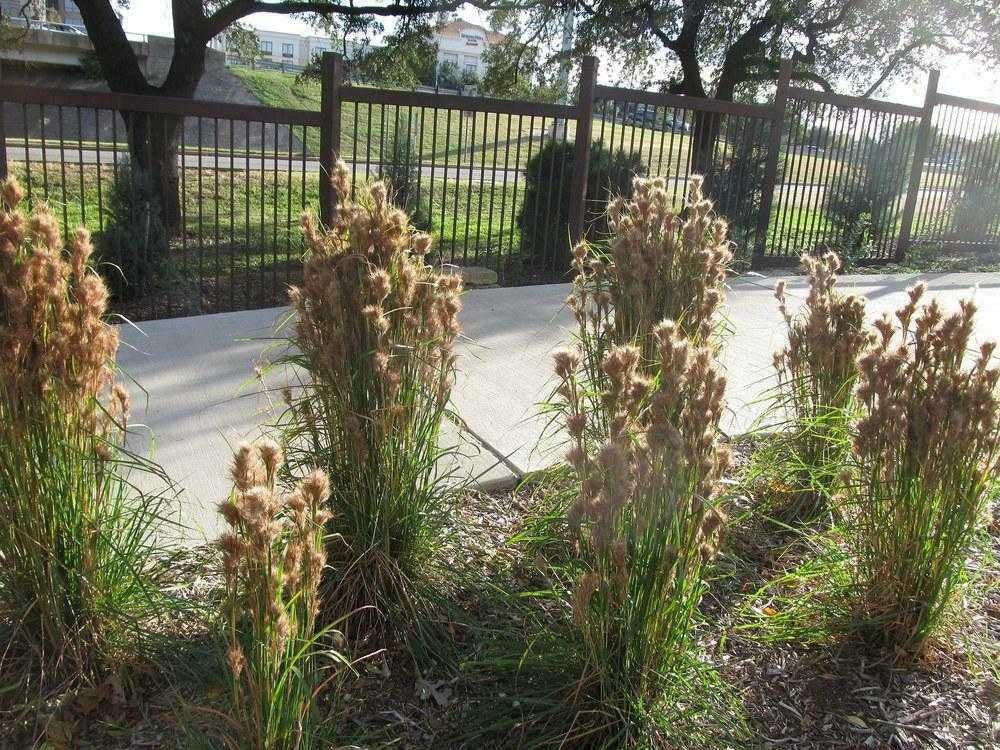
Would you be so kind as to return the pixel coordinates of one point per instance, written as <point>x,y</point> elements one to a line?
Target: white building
<point>280,49</point>
<point>463,44</point>
<point>459,42</point>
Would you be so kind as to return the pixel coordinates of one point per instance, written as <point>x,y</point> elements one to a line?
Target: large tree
<point>729,49</point>
<point>153,141</point>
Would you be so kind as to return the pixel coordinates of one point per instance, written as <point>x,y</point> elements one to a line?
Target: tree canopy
<point>727,48</point>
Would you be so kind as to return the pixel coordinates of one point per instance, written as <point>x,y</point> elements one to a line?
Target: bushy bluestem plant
<point>80,569</point>
<point>647,518</point>
<point>375,328</point>
<point>925,453</point>
<point>273,559</point>
<point>659,265</point>
<point>641,398</point>
<point>817,370</point>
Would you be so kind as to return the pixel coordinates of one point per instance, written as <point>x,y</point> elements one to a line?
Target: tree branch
<point>234,11</point>
<point>114,51</point>
<point>893,63</point>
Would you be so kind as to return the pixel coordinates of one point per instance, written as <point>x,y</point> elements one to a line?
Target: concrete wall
<point>217,84</point>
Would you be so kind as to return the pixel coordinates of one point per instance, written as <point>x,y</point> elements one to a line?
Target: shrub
<point>400,175</point>
<point>646,519</point>
<point>448,76</point>
<point>375,331</point>
<point>133,249</point>
<point>925,453</point>
<point>544,216</point>
<point>738,190</point>
<point>817,371</point>
<point>976,204</point>
<point>861,206</point>
<point>80,573</point>
<point>272,559</point>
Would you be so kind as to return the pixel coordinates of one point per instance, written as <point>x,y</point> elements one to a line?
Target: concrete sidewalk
<point>203,397</point>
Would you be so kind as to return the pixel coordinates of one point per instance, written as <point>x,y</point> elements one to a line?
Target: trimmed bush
<point>134,248</point>
<point>544,215</point>
<point>401,175</point>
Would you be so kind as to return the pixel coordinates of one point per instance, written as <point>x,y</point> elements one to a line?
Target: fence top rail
<point>366,95</point>
<point>853,102</point>
<point>164,105</point>
<point>657,98</point>
<point>961,101</point>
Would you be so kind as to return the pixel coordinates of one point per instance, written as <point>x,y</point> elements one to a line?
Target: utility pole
<point>569,21</point>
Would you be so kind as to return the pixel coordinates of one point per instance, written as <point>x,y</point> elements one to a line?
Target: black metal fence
<point>195,205</point>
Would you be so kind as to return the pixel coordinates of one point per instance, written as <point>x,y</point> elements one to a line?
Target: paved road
<point>797,194</point>
<point>202,398</point>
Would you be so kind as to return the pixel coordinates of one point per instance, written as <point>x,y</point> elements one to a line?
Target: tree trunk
<point>153,142</point>
<point>705,129</point>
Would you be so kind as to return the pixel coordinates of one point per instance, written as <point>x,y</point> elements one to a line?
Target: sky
<point>960,76</point>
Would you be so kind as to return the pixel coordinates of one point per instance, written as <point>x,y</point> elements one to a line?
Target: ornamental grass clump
<point>925,454</point>
<point>273,558</point>
<point>659,265</point>
<point>817,371</point>
<point>375,331</point>
<point>79,569</point>
<point>646,520</point>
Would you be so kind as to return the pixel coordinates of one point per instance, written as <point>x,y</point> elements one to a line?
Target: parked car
<point>641,115</point>
<point>675,125</point>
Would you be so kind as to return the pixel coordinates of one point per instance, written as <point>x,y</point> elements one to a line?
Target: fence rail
<point>196,203</point>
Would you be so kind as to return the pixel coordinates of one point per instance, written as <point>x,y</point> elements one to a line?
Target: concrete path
<point>203,397</point>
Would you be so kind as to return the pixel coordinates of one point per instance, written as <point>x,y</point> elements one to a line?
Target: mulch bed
<point>830,695</point>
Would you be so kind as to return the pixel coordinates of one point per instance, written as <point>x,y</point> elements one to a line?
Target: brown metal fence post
<point>916,170</point>
<point>329,132</point>
<point>3,137</point>
<point>581,156</point>
<point>773,152</point>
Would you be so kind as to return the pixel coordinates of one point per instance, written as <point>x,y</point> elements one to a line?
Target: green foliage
<point>242,42</point>
<point>407,58</point>
<point>862,205</point>
<point>400,173</point>
<point>133,250</point>
<point>544,215</point>
<point>976,208</point>
<point>448,76</point>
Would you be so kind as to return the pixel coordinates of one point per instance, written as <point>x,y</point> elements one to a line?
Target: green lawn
<point>239,220</point>
<point>508,141</point>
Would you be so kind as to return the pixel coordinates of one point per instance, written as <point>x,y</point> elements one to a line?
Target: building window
<point>286,50</point>
<point>266,46</point>
<point>470,69</point>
